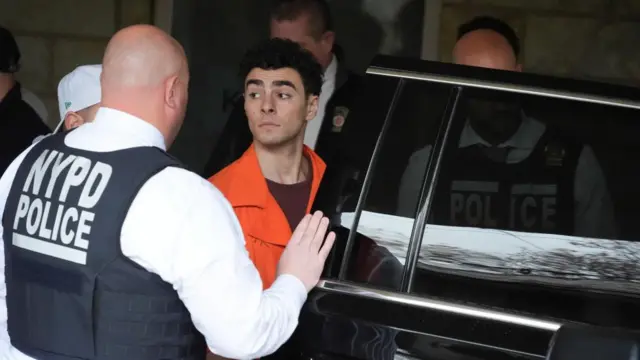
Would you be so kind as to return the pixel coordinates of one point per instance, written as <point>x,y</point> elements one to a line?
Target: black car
<point>444,255</point>
<point>409,279</point>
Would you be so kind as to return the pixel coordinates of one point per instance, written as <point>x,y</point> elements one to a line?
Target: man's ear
<point>171,92</point>
<point>328,39</point>
<point>72,120</point>
<point>312,107</point>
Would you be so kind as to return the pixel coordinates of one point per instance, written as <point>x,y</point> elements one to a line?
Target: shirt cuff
<point>292,288</point>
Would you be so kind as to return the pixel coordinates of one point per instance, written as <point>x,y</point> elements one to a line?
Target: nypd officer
<point>114,251</point>
<point>79,97</point>
<point>556,183</point>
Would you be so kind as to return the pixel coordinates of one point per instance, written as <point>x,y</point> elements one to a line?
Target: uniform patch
<point>554,155</point>
<point>339,117</point>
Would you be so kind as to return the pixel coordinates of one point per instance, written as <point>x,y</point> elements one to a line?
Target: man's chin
<point>269,142</point>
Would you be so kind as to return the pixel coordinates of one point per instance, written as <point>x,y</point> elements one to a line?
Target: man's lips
<point>268,124</point>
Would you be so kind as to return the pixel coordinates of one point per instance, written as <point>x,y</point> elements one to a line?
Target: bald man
<point>497,144</point>
<point>115,251</point>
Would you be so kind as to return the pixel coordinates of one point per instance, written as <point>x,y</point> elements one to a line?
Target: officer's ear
<point>72,120</point>
<point>173,93</point>
<point>312,107</point>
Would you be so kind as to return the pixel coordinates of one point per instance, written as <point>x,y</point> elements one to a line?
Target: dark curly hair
<point>274,54</point>
<point>493,24</point>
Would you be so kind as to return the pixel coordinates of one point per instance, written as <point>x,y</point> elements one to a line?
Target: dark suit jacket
<point>236,137</point>
<point>19,126</point>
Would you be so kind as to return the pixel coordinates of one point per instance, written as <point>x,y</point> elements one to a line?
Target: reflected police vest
<point>535,195</point>
<point>71,293</point>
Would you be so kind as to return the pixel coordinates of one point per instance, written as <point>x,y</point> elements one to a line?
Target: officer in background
<point>79,97</point>
<point>114,251</point>
<point>308,23</point>
<point>554,180</point>
<point>19,123</point>
<point>9,45</point>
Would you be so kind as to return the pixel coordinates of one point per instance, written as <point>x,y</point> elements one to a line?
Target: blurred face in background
<point>494,118</point>
<point>308,35</point>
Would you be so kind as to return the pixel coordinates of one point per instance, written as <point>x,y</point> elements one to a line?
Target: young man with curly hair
<point>272,185</point>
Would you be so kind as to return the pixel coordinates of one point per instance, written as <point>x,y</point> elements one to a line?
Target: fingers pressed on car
<point>300,230</point>
<point>320,234</point>
<point>311,230</point>
<point>326,247</point>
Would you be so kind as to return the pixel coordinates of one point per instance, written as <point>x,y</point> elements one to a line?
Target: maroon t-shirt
<point>292,198</point>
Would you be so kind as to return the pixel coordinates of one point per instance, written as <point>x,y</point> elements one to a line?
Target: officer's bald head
<point>145,73</point>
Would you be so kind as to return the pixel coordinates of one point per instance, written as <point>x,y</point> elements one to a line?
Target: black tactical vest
<point>535,195</point>
<point>71,294</point>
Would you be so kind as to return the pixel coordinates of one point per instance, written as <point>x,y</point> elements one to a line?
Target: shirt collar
<point>525,137</point>
<point>331,70</point>
<point>137,131</point>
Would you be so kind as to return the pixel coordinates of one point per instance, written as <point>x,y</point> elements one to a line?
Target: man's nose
<point>267,105</point>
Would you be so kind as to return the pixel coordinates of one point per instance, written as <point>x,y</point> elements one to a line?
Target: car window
<point>415,119</point>
<point>343,179</point>
<point>534,209</point>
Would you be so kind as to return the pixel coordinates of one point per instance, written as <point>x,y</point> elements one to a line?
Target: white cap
<point>79,89</point>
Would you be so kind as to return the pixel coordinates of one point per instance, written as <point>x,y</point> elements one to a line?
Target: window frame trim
<point>344,265</point>
<point>504,86</point>
<point>427,302</point>
<point>426,195</point>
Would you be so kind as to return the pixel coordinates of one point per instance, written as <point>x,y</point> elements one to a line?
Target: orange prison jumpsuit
<point>264,225</point>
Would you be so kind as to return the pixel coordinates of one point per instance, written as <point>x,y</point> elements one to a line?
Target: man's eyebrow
<point>288,83</point>
<point>254,82</point>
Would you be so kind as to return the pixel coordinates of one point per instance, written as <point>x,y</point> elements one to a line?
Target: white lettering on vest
<point>531,206</point>
<point>59,229</point>
<point>471,203</point>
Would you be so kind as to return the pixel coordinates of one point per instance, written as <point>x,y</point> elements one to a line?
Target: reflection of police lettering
<point>475,208</point>
<point>55,219</point>
<point>532,211</point>
<point>530,206</point>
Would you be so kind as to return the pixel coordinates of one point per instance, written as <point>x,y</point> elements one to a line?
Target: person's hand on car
<point>306,253</point>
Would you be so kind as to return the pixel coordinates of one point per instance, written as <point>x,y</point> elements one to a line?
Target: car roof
<point>517,82</point>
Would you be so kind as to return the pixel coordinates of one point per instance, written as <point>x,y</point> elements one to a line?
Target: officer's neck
<point>495,136</point>
<point>283,164</point>
<point>7,82</point>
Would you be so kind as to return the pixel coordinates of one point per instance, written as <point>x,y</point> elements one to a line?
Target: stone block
<point>596,7</point>
<point>136,12</point>
<point>67,54</point>
<point>36,65</point>
<point>566,6</point>
<point>454,16</point>
<point>74,17</point>
<point>519,4</point>
<point>613,54</point>
<point>554,45</point>
<point>628,8</point>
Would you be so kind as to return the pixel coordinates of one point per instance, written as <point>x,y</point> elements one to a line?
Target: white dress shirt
<point>328,87</point>
<point>181,227</point>
<point>593,216</point>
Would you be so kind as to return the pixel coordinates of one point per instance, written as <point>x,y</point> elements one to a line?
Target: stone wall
<point>57,35</point>
<point>596,39</point>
